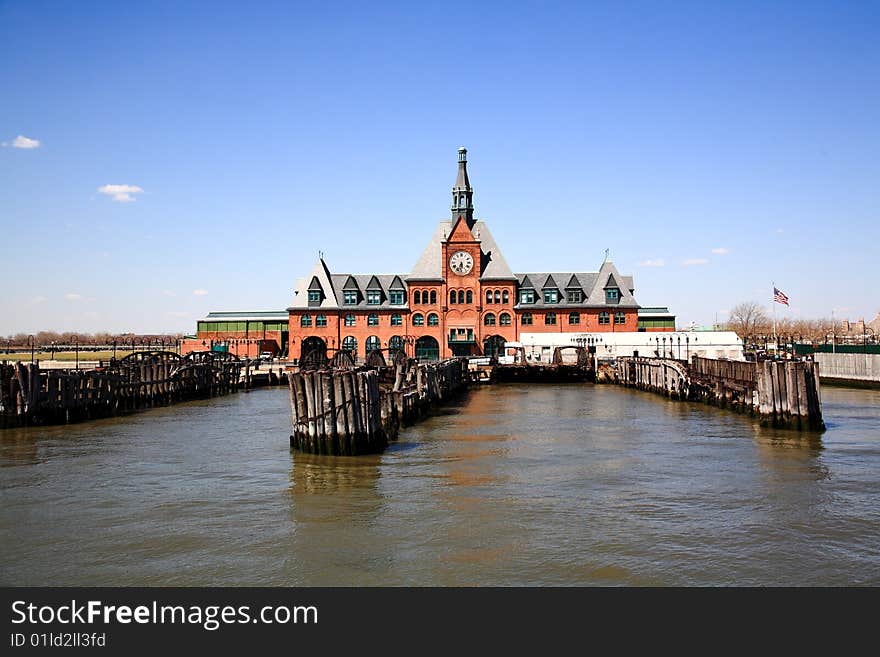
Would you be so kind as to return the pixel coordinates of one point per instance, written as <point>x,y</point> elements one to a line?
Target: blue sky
<point>713,147</point>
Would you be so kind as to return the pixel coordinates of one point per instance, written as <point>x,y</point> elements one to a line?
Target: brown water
<point>546,485</point>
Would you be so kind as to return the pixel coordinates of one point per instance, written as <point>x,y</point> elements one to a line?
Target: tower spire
<point>463,193</point>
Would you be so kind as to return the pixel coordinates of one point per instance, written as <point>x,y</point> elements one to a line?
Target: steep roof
<point>592,283</point>
<point>608,277</point>
<point>322,275</point>
<point>377,281</point>
<point>492,263</point>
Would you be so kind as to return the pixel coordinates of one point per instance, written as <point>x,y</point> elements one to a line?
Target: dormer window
<point>350,297</point>
<point>314,296</point>
<point>551,296</point>
<point>374,297</point>
<point>527,296</point>
<point>575,296</point>
<point>396,297</point>
<point>612,295</point>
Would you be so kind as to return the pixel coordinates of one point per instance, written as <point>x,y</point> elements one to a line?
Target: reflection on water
<point>546,485</point>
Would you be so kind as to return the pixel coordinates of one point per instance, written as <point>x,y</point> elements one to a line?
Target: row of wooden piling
<point>29,395</point>
<point>781,393</point>
<point>350,411</point>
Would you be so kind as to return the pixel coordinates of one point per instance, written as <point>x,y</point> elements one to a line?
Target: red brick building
<point>461,298</point>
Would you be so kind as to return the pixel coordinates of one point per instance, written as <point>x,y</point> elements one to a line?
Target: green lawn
<point>64,355</point>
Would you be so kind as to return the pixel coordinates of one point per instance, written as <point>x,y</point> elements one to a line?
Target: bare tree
<point>747,318</point>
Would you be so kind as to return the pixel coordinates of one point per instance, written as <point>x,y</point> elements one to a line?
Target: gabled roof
<point>300,294</point>
<point>363,282</point>
<point>461,232</point>
<point>608,277</point>
<point>351,284</point>
<point>590,282</point>
<point>374,284</point>
<point>549,283</point>
<point>315,284</point>
<point>492,263</point>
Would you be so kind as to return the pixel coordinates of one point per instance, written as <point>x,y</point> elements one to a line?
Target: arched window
<point>350,320</point>
<point>417,297</point>
<point>433,296</point>
<point>433,320</point>
<point>505,296</point>
<point>396,319</point>
<point>497,296</point>
<point>461,296</point>
<point>489,319</point>
<point>620,318</point>
<point>574,318</point>
<point>372,319</point>
<point>526,319</point>
<point>427,348</point>
<point>395,344</point>
<point>349,343</point>
<point>305,320</point>
<point>418,319</point>
<point>550,318</point>
<point>488,296</point>
<point>372,343</point>
<point>604,318</point>
<point>504,319</point>
<point>470,297</point>
<point>452,297</point>
<point>321,320</point>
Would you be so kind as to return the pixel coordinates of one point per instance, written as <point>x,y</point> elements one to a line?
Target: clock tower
<point>462,268</point>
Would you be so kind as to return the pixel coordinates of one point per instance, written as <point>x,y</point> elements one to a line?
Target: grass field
<point>64,355</point>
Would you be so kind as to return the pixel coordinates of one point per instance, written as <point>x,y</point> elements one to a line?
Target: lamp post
<point>31,341</point>
<point>76,347</point>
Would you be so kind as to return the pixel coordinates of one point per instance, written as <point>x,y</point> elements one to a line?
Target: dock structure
<point>30,395</point>
<point>345,411</point>
<point>783,394</point>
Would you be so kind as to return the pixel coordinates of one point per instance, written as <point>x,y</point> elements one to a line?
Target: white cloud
<point>695,261</point>
<point>73,296</point>
<point>23,142</point>
<point>120,193</point>
<point>200,292</point>
<point>37,300</point>
<point>721,251</point>
<point>659,262</point>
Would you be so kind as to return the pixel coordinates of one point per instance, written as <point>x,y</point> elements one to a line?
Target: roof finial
<point>607,256</point>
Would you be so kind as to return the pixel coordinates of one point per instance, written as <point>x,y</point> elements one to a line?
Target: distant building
<point>460,299</point>
<point>656,319</point>
<point>245,334</point>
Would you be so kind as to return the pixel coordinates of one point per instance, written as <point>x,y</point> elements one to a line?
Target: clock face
<point>461,262</point>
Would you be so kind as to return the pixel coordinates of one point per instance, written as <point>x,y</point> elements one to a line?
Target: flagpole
<point>773,303</point>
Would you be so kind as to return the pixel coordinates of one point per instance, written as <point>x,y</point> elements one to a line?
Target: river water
<point>514,485</point>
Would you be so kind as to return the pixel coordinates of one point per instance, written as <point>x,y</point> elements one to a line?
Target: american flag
<point>779,296</point>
